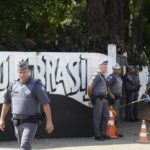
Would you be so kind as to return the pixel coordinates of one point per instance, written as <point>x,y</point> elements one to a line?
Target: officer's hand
<point>112,97</point>
<point>49,127</point>
<point>2,125</point>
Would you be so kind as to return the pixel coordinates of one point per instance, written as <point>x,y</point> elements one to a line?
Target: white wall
<point>62,73</point>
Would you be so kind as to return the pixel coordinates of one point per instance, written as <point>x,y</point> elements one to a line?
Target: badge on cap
<point>23,64</point>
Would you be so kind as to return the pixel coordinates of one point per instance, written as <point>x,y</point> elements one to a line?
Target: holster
<point>92,98</point>
<point>111,101</point>
<point>101,97</point>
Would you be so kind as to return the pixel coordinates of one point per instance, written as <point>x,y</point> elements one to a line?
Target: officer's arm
<point>147,88</point>
<point>110,83</point>
<point>110,93</point>
<point>49,124</point>
<point>42,97</point>
<point>4,112</point>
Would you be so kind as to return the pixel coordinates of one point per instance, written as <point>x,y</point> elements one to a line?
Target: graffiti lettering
<point>59,75</point>
<point>3,75</point>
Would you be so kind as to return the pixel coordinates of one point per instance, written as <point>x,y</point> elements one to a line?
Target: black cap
<point>23,64</point>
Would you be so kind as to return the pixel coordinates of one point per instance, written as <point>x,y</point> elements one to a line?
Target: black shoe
<point>99,138</point>
<point>136,120</point>
<point>131,120</point>
<point>106,137</point>
<point>127,120</point>
<point>120,135</point>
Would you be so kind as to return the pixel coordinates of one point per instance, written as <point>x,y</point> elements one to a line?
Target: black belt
<point>30,119</point>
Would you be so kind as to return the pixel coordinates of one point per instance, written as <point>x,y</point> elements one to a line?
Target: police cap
<point>23,64</point>
<point>103,62</point>
<point>116,66</point>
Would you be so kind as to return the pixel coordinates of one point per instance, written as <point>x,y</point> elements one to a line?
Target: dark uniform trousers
<point>25,133</point>
<point>116,106</point>
<point>135,111</point>
<point>100,116</point>
<point>130,109</point>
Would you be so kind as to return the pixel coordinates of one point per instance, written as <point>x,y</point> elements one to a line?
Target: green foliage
<point>34,16</point>
<point>75,19</point>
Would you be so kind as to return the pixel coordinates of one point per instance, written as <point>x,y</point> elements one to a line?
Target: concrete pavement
<point>128,142</point>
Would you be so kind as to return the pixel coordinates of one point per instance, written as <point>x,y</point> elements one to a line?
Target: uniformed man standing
<point>25,97</point>
<point>100,107</point>
<point>148,83</point>
<point>136,91</point>
<point>129,84</point>
<point>114,82</point>
<point>148,80</point>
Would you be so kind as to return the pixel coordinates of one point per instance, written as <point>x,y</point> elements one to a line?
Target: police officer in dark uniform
<point>148,83</point>
<point>148,76</point>
<point>100,107</point>
<point>129,85</point>
<point>25,97</point>
<point>114,82</point>
<point>136,91</point>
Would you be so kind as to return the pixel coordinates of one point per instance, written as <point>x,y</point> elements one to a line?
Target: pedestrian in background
<point>136,91</point>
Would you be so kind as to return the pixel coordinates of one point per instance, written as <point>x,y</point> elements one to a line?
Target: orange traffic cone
<point>143,133</point>
<point>111,131</point>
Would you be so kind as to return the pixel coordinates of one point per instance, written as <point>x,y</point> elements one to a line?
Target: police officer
<point>25,97</point>
<point>148,80</point>
<point>148,83</point>
<point>136,91</point>
<point>129,84</point>
<point>148,76</point>
<point>100,107</point>
<point>114,82</point>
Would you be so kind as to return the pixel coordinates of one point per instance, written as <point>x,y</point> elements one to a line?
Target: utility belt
<point>131,90</point>
<point>30,119</point>
<point>101,96</point>
<point>93,98</point>
<point>117,96</point>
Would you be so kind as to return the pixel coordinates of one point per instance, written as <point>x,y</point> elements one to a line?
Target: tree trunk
<point>114,9</point>
<point>94,17</point>
<point>135,30</point>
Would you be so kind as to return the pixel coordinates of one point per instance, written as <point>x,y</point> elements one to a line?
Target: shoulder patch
<point>110,77</point>
<point>12,84</point>
<point>129,77</point>
<point>92,77</point>
<point>43,88</point>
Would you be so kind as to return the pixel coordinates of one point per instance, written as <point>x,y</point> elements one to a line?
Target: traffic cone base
<point>143,133</point>
<point>112,131</point>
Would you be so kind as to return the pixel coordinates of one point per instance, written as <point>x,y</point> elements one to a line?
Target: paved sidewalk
<point>128,142</point>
